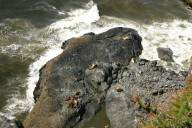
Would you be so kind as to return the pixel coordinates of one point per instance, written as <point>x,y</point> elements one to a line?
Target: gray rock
<point>119,109</point>
<point>96,76</point>
<point>190,68</point>
<point>165,54</point>
<point>104,86</point>
<point>151,83</point>
<point>57,104</point>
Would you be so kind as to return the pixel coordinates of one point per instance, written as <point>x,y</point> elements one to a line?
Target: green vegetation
<point>150,108</point>
<point>180,113</point>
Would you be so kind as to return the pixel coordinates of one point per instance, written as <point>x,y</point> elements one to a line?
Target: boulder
<point>165,54</point>
<point>73,85</point>
<point>95,70</point>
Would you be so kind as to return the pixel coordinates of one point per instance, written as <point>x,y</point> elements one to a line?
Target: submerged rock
<point>165,54</point>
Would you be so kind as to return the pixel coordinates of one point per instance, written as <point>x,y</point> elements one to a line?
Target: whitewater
<point>175,34</point>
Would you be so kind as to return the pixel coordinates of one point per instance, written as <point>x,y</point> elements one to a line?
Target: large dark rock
<point>73,85</point>
<point>94,70</point>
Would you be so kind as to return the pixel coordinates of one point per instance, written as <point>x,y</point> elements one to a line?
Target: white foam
<point>10,117</point>
<point>77,17</point>
<point>16,105</point>
<point>13,48</point>
<point>63,30</point>
<point>78,22</point>
<point>175,34</point>
<point>34,72</point>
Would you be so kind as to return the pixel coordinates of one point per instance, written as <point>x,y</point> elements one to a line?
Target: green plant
<point>179,114</point>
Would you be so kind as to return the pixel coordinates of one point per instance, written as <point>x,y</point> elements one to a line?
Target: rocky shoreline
<point>96,70</point>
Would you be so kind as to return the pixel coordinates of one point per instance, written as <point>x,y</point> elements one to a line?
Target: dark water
<point>99,121</point>
<point>22,23</point>
<point>13,71</point>
<point>144,10</point>
<point>44,12</point>
<point>40,12</point>
<point>18,49</point>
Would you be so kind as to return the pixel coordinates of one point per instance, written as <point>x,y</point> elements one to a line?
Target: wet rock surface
<point>165,54</point>
<point>94,70</point>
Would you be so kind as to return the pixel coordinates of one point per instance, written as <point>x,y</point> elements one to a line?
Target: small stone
<point>104,86</point>
<point>153,63</point>
<point>126,37</point>
<point>119,89</point>
<point>173,85</point>
<point>155,93</point>
<point>143,62</point>
<point>77,93</point>
<point>89,34</point>
<point>189,114</point>
<point>109,80</point>
<point>92,66</point>
<point>125,74</point>
<point>161,92</point>
<point>184,73</point>
<point>180,36</point>
<point>115,81</point>
<point>115,76</point>
<point>116,67</point>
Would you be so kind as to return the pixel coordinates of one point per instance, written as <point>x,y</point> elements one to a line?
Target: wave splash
<point>74,25</point>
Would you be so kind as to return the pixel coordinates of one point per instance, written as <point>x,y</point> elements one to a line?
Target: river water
<point>31,33</point>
